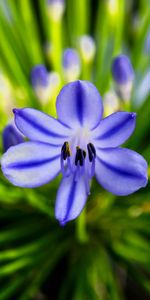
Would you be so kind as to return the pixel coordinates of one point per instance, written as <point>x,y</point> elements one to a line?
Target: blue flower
<point>11,137</point>
<point>40,82</point>
<point>39,76</point>
<point>56,9</point>
<point>71,64</point>
<point>87,48</point>
<point>122,70</point>
<point>79,144</point>
<point>123,76</point>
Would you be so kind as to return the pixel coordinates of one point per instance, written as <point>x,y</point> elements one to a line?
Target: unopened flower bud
<point>123,76</point>
<point>11,137</point>
<point>54,83</point>
<point>87,48</point>
<point>111,103</point>
<point>113,8</point>
<point>122,69</point>
<point>56,9</point>
<point>39,76</point>
<point>40,82</point>
<point>71,64</point>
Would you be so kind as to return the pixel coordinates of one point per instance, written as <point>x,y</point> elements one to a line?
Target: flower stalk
<point>81,230</point>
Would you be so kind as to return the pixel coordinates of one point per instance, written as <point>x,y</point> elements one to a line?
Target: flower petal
<point>31,164</point>
<point>79,104</point>
<point>121,171</point>
<point>39,126</point>
<point>114,130</point>
<point>70,200</point>
<point>11,136</point>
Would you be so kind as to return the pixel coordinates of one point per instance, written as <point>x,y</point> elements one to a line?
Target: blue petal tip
<point>62,223</point>
<point>15,110</point>
<point>133,115</point>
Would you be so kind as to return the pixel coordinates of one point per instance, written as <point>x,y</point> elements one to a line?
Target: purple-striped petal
<point>31,164</point>
<point>114,130</point>
<point>70,200</point>
<point>39,126</point>
<point>79,104</point>
<point>121,171</point>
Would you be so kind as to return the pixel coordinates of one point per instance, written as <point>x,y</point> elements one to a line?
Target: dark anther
<point>84,153</point>
<point>80,156</point>
<point>91,151</point>
<point>65,150</point>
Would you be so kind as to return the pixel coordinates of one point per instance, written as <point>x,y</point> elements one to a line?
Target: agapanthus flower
<point>122,69</point>
<point>87,48</point>
<point>54,83</point>
<point>39,76</point>
<point>80,145</point>
<point>111,103</point>
<point>40,82</point>
<point>71,64</point>
<point>56,9</point>
<point>123,76</point>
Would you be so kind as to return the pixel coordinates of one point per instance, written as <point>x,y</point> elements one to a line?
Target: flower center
<point>80,156</point>
<point>78,161</point>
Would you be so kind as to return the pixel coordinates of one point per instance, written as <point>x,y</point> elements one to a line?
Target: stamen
<point>80,156</point>
<point>87,185</point>
<point>65,154</point>
<point>91,151</point>
<point>69,167</point>
<point>79,166</point>
<point>77,173</point>
<point>66,150</point>
<point>92,156</point>
<point>63,170</point>
<point>84,154</point>
<point>93,168</point>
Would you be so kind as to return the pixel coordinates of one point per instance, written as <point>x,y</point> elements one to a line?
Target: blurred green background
<point>107,256</point>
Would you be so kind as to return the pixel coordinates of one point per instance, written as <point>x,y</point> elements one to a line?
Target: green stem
<point>81,232</point>
<point>87,70</point>
<point>56,42</point>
